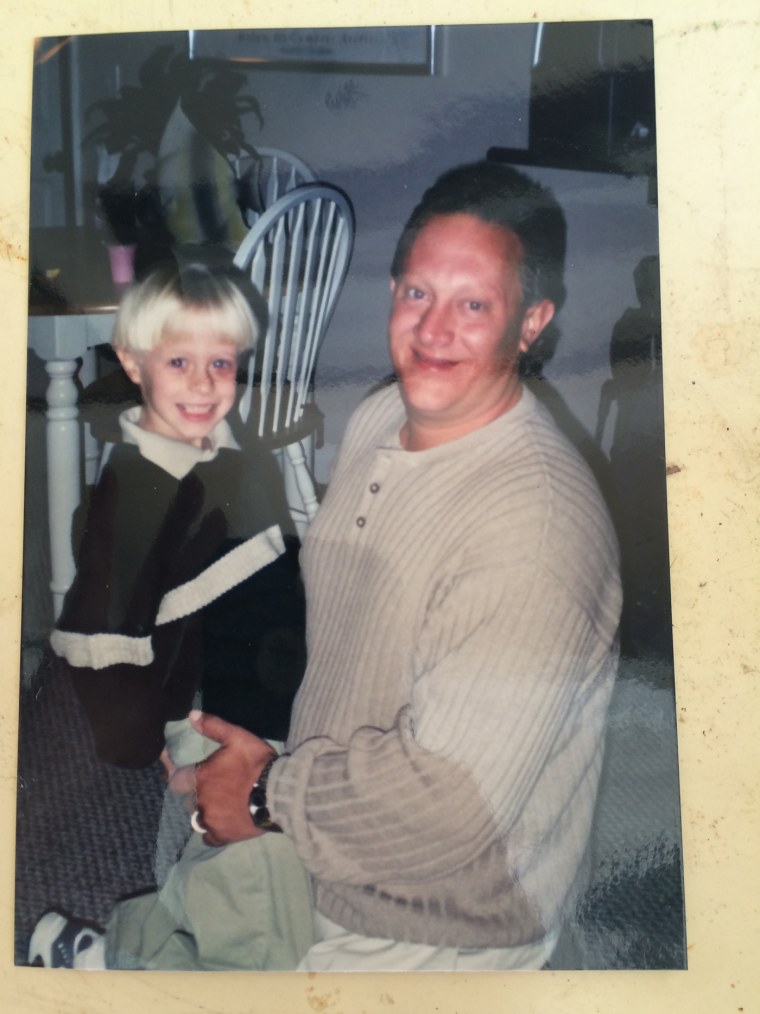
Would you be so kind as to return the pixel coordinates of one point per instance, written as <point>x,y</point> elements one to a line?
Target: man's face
<point>187,381</point>
<point>457,325</point>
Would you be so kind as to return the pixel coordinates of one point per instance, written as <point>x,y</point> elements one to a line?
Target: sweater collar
<point>174,456</point>
<point>498,430</point>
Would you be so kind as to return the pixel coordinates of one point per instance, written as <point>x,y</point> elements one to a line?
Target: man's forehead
<point>450,232</point>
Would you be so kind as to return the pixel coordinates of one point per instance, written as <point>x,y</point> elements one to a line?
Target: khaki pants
<point>246,906</point>
<point>340,950</point>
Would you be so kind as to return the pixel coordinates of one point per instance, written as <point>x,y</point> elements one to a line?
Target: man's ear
<point>130,365</point>
<point>535,319</point>
<point>393,285</point>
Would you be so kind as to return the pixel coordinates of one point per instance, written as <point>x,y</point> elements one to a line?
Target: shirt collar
<point>390,438</point>
<point>175,456</point>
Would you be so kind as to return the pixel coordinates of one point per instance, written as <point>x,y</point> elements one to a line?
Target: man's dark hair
<point>502,196</point>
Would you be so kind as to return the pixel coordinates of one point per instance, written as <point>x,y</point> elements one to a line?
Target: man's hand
<point>225,780</point>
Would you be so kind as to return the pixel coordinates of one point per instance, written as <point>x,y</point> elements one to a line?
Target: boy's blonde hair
<point>151,306</point>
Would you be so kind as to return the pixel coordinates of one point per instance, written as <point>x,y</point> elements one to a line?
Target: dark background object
<point>592,100</point>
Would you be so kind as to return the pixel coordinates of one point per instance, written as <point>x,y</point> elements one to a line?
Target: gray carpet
<point>86,831</point>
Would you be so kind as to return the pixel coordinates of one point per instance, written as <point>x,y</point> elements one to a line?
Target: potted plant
<point>132,129</point>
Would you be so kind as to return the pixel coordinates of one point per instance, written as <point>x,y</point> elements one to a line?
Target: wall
<point>383,138</point>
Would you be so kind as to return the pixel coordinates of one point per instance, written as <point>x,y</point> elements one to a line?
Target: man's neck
<point>420,434</point>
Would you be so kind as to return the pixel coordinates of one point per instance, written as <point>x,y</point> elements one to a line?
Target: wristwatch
<point>257,801</point>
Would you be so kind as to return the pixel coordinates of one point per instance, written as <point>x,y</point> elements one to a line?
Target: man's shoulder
<point>549,441</point>
<point>382,397</point>
<point>380,410</point>
<point>537,474</point>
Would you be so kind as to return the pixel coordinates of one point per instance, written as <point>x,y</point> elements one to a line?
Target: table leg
<point>64,480</point>
<point>87,373</point>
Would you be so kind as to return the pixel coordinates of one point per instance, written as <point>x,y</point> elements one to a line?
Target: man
<point>463,604</point>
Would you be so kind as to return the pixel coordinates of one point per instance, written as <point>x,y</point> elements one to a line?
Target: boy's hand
<point>180,781</point>
<point>169,766</point>
<point>224,781</point>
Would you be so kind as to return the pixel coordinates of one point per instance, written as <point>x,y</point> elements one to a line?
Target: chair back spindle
<point>297,255</point>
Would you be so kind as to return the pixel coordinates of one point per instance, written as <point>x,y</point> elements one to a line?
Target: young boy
<point>188,593</point>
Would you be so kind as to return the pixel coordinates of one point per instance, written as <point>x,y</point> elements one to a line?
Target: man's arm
<point>225,780</point>
<point>520,697</point>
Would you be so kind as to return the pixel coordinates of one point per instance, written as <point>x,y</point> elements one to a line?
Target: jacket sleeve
<point>128,674</point>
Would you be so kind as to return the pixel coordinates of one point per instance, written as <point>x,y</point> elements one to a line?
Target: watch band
<point>257,801</point>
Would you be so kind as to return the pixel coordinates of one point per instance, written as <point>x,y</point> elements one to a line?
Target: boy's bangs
<point>224,320</point>
<point>145,317</point>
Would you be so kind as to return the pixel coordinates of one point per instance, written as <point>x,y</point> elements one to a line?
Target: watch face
<point>257,803</point>
<point>261,817</point>
<point>262,820</point>
<point>258,797</point>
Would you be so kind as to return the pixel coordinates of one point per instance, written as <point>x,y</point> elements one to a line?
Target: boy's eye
<point>223,365</point>
<point>177,362</point>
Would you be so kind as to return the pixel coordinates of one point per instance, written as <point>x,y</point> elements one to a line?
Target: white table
<point>61,341</point>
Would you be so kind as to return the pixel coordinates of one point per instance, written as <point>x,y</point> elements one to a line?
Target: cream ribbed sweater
<point>446,742</point>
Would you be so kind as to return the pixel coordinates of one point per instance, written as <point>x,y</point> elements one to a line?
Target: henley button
<point>374,487</point>
<point>361,522</point>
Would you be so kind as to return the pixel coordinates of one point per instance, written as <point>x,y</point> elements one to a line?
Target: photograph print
<point>345,453</point>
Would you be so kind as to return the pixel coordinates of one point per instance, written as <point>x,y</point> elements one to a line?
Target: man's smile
<point>432,362</point>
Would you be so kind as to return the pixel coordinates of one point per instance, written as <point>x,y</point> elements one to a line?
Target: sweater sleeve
<point>512,669</point>
<point>131,675</point>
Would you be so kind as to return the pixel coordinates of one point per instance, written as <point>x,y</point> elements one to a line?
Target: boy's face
<point>187,381</point>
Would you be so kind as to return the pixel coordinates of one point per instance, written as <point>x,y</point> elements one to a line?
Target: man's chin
<point>427,410</point>
<point>426,394</point>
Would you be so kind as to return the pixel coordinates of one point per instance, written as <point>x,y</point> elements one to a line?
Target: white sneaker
<point>59,941</point>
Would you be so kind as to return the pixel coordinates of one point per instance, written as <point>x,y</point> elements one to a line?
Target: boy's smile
<point>187,381</point>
